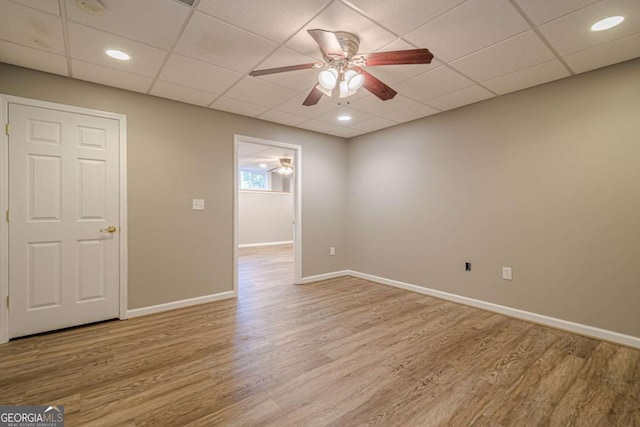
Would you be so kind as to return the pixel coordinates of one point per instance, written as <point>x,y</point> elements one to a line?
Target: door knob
<point>109,229</point>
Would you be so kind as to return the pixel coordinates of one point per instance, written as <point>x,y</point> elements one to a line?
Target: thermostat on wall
<point>198,204</point>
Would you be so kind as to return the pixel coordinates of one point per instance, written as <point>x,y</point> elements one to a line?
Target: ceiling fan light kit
<point>342,74</point>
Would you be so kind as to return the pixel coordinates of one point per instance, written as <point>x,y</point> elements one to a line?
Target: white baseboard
<point>253,245</point>
<point>589,331</point>
<point>325,276</point>
<point>144,311</point>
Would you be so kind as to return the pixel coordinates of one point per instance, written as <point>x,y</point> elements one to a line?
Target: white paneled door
<point>64,219</point>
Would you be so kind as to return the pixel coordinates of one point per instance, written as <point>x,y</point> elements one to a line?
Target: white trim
<point>255,245</point>
<point>297,203</point>
<point>325,276</point>
<point>577,328</point>
<point>5,100</point>
<point>145,311</point>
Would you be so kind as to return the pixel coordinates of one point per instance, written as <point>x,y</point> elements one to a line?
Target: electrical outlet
<point>332,251</point>
<point>506,273</point>
<point>198,204</point>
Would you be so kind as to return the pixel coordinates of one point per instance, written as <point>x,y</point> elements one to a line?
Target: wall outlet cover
<point>506,273</point>
<point>198,204</point>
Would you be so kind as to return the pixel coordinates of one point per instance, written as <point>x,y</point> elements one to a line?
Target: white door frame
<point>5,100</point>
<point>297,203</point>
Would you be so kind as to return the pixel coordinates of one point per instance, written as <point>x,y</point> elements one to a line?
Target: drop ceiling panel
<point>471,26</point>
<point>23,56</point>
<point>345,132</point>
<point>433,83</point>
<point>43,5</point>
<point>182,94</point>
<point>605,54</point>
<point>572,32</point>
<point>225,103</point>
<point>260,92</point>
<point>29,27</point>
<point>356,116</point>
<point>276,20</point>
<point>544,11</point>
<point>218,43</point>
<point>199,75</point>
<point>468,95</point>
<point>371,104</point>
<point>538,74</point>
<point>411,112</point>
<point>110,77</point>
<point>318,126</point>
<point>374,124</point>
<point>402,16</point>
<point>339,17</point>
<point>131,19</point>
<point>88,45</point>
<point>282,117</point>
<point>516,53</point>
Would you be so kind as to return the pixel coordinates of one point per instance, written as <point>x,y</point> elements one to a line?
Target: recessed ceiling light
<point>344,118</point>
<point>262,165</point>
<point>606,23</point>
<point>117,54</point>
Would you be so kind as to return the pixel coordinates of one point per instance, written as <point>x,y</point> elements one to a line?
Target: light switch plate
<point>506,273</point>
<point>198,204</point>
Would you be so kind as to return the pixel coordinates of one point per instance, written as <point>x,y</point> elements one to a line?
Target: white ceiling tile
<point>155,22</point>
<point>296,80</point>
<point>282,117</point>
<point>182,94</point>
<point>196,74</point>
<point>345,132</point>
<point>219,43</point>
<point>339,17</point>
<point>402,16</point>
<point>48,6</point>
<point>33,58</point>
<point>110,77</point>
<point>543,11</point>
<point>276,20</point>
<point>29,27</point>
<point>471,26</point>
<point>516,53</point>
<point>374,124</point>
<point>412,112</point>
<point>356,116</point>
<point>224,103</point>
<point>433,83</point>
<point>572,32</point>
<point>260,92</point>
<point>373,105</point>
<point>465,96</point>
<point>294,106</point>
<point>538,74</point>
<point>88,45</point>
<point>605,54</point>
<point>318,126</point>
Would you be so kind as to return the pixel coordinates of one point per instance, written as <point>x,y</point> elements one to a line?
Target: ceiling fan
<point>342,71</point>
<point>284,168</point>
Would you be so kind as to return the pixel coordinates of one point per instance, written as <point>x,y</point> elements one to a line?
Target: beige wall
<point>265,216</point>
<point>546,181</point>
<point>177,152</point>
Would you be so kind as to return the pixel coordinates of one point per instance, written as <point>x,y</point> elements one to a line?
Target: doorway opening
<point>267,238</point>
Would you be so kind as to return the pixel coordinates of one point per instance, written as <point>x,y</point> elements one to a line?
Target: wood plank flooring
<point>342,352</point>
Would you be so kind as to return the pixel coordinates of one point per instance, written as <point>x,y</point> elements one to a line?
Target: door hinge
<point>7,128</point>
<point>8,301</point>
<point>8,215</point>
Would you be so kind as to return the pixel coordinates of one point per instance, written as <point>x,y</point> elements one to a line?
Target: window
<point>254,180</point>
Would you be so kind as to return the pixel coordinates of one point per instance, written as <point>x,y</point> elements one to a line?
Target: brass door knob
<point>109,229</point>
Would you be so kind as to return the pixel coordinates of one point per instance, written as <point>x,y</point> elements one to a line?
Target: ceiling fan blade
<point>396,57</point>
<point>256,73</point>
<point>328,42</point>
<point>375,86</point>
<point>314,97</point>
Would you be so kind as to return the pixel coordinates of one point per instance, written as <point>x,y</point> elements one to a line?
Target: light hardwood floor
<point>341,352</point>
